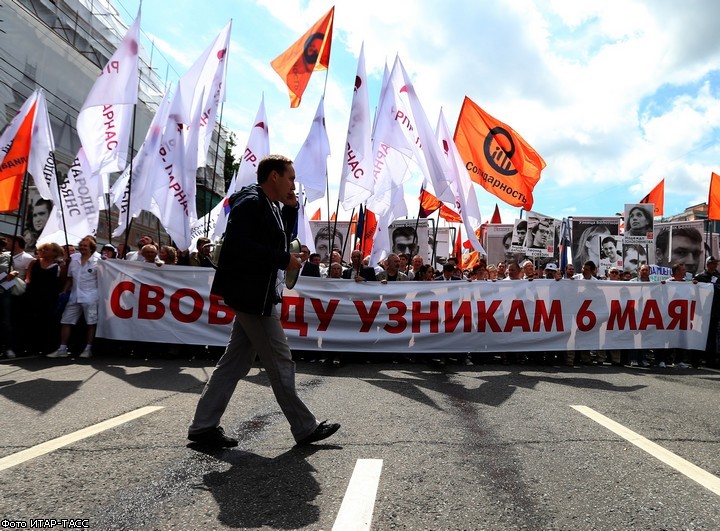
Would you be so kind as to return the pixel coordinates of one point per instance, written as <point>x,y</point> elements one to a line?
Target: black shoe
<point>323,431</point>
<point>214,437</point>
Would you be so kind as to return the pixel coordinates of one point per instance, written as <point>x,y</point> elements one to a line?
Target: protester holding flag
<point>258,228</point>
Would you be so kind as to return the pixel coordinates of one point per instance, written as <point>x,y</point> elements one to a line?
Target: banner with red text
<point>171,304</point>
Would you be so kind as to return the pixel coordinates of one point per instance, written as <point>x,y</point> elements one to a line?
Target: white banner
<point>171,304</point>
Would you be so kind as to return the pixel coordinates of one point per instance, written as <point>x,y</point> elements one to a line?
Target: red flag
<point>369,228</point>
<point>497,157</point>
<point>309,53</point>
<point>714,197</point>
<point>657,198</point>
<point>467,244</point>
<point>14,165</point>
<point>496,215</point>
<point>458,247</point>
<point>316,216</point>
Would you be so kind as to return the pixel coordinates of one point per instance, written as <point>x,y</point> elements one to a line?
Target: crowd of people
<point>43,296</point>
<point>51,292</point>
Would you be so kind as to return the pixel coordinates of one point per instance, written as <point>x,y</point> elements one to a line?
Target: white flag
<point>311,161</point>
<point>381,246</point>
<point>209,222</point>
<point>356,180</point>
<point>427,153</point>
<point>465,199</point>
<point>105,120</point>
<point>77,213</point>
<point>8,135</point>
<point>304,233</point>
<point>200,92</point>
<point>42,160</point>
<point>391,151</point>
<point>135,196</point>
<point>221,211</point>
<point>173,183</point>
<point>257,148</point>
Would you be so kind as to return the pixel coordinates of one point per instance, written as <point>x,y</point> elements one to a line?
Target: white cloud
<point>614,94</point>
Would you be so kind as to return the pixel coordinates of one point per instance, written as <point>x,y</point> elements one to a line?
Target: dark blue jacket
<point>253,250</point>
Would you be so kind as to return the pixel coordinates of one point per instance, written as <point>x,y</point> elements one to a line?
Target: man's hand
<point>294,263</point>
<point>291,200</point>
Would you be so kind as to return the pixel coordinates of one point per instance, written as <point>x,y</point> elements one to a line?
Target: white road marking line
<point>697,474</point>
<point>357,507</point>
<point>54,444</point>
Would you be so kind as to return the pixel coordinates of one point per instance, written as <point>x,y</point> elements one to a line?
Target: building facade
<point>61,46</point>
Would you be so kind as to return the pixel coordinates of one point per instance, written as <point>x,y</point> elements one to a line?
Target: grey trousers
<point>251,335</point>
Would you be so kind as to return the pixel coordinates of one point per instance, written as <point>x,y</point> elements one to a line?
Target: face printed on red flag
<point>309,53</point>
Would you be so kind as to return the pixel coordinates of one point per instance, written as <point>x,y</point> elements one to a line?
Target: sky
<point>614,95</point>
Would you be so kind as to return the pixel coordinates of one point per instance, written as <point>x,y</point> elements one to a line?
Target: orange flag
<point>14,165</point>
<point>657,198</point>
<point>714,197</point>
<point>369,228</point>
<point>316,216</point>
<point>309,53</point>
<point>471,261</point>
<point>497,158</point>
<point>429,204</point>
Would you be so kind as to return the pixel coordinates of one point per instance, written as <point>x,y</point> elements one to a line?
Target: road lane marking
<point>357,507</point>
<point>54,444</point>
<point>697,474</point>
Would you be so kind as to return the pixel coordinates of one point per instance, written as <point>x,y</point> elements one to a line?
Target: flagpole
<point>417,220</point>
<point>435,231</point>
<point>108,206</point>
<point>217,153</point>
<point>347,235</point>
<point>62,212</point>
<point>128,220</point>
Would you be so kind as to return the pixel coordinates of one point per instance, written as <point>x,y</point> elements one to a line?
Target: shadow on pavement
<point>259,491</point>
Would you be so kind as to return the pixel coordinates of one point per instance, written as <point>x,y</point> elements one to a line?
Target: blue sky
<point>615,95</point>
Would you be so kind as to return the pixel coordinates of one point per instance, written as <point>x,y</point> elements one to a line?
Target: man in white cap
<point>551,272</point>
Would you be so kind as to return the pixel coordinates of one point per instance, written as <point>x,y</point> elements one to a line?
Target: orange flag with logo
<point>14,165</point>
<point>309,53</point>
<point>497,157</point>
<point>656,197</point>
<point>714,197</point>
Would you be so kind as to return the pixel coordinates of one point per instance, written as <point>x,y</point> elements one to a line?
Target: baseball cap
<point>551,267</point>
<point>710,259</point>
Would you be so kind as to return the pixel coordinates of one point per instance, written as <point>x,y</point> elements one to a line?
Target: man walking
<point>256,226</point>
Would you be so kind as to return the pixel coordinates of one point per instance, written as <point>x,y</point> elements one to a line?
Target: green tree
<point>231,164</point>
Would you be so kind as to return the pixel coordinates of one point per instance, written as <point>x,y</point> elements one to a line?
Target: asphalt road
<point>482,447</point>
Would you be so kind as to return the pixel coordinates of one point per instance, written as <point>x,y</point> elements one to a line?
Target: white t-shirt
<point>21,262</point>
<point>85,282</point>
